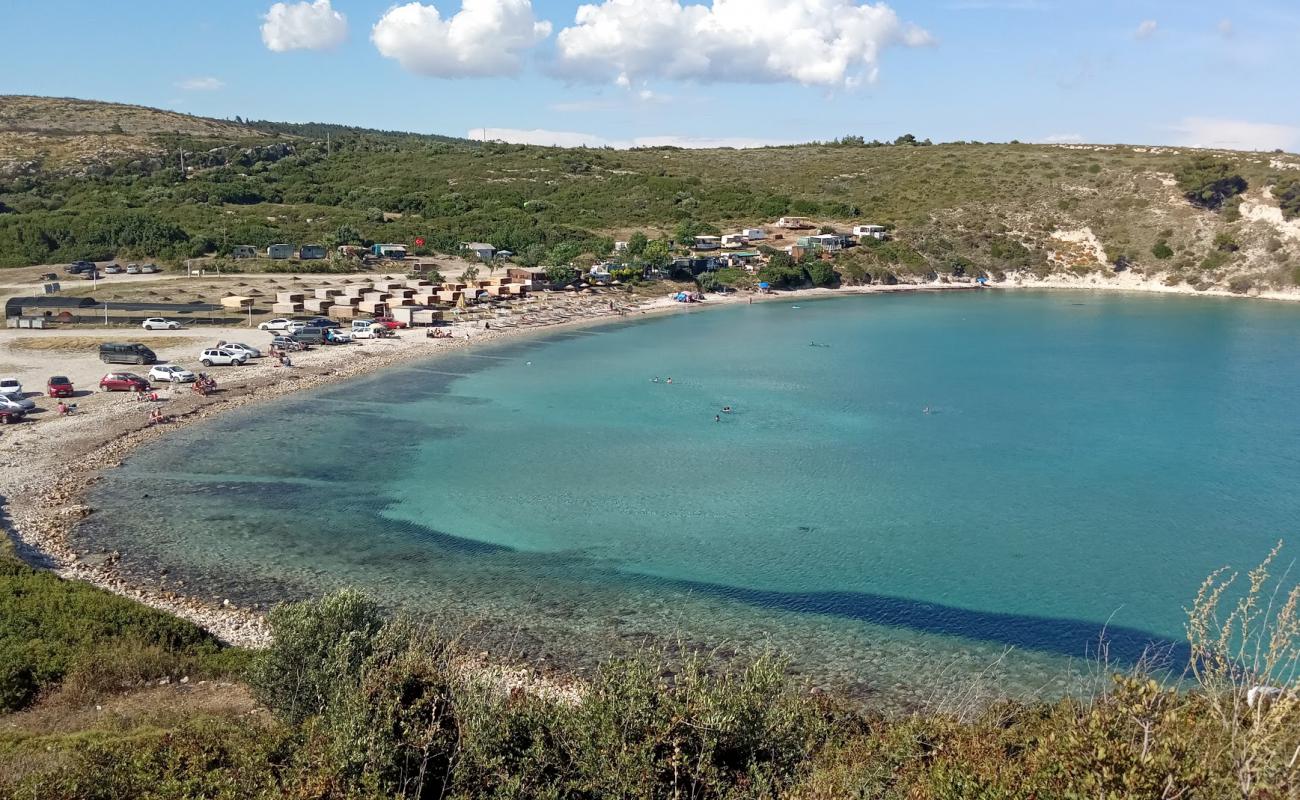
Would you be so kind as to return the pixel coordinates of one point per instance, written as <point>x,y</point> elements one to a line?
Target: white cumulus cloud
<point>303,26</point>
<point>548,138</point>
<point>820,43</point>
<point>1146,29</point>
<point>200,84</point>
<point>1233,134</point>
<point>486,37</point>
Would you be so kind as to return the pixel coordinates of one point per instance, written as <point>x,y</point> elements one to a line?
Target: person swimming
<point>655,379</point>
<point>717,418</point>
<point>726,409</point>
<point>670,380</point>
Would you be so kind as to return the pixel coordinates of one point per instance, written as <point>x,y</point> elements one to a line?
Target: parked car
<point>132,269</point>
<point>160,324</point>
<point>8,415</point>
<point>277,324</point>
<point>23,404</point>
<point>126,354</point>
<point>368,330</point>
<point>287,343</point>
<point>11,387</point>
<point>149,269</point>
<point>113,269</point>
<point>294,325</point>
<point>170,373</point>
<point>91,275</point>
<point>238,347</point>
<point>78,267</point>
<point>123,382</point>
<point>221,357</point>
<point>323,322</point>
<point>309,335</point>
<point>337,336</point>
<point>390,323</point>
<point>59,386</point>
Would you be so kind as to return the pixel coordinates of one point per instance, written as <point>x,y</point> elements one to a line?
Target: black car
<point>78,267</point>
<point>323,322</point>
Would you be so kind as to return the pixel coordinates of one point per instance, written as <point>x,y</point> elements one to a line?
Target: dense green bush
<point>52,629</point>
<point>1209,182</point>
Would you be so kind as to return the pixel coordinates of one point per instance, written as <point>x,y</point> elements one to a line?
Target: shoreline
<point>53,462</point>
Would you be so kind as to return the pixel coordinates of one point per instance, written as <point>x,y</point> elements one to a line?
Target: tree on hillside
<point>346,234</point>
<point>657,254</point>
<point>470,274</point>
<point>1209,182</point>
<point>561,274</point>
<point>906,138</point>
<point>1288,197</point>
<point>636,243</point>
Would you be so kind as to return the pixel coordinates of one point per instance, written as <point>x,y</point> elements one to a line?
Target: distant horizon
<point>648,143</point>
<point>732,73</point>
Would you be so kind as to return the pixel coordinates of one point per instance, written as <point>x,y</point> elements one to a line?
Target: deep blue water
<point>942,478</point>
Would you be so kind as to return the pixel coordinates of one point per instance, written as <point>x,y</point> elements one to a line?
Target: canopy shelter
<point>49,305</point>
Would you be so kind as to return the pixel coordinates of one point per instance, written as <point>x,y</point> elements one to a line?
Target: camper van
<point>243,251</point>
<point>279,251</point>
<point>311,252</point>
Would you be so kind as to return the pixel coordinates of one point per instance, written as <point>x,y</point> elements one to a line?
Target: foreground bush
<point>52,628</point>
<point>366,707</point>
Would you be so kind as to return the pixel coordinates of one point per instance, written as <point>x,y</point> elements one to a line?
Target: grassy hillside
<point>964,208</point>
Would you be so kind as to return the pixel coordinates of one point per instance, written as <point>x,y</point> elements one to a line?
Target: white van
<point>368,329</point>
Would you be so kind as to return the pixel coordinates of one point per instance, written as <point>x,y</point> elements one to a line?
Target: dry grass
<point>72,344</point>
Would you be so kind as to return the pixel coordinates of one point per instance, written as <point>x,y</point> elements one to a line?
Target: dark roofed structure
<point>15,306</point>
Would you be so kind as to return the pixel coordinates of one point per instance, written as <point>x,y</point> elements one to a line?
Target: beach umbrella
<point>765,285</point>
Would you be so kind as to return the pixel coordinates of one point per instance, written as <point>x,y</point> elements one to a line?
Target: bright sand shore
<point>51,462</point>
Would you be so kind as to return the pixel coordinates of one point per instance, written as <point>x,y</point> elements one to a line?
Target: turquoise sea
<point>910,488</point>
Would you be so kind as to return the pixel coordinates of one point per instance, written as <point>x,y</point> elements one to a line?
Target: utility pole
<point>182,149</point>
<point>328,151</point>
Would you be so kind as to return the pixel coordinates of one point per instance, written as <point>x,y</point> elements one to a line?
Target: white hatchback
<point>160,324</point>
<point>171,374</point>
<point>278,324</point>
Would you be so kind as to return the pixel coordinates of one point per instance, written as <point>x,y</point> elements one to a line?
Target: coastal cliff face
<point>97,180</point>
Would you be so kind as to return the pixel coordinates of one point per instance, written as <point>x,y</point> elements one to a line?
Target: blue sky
<point>729,71</point>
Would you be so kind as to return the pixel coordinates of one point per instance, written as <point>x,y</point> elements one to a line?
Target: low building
<point>793,223</point>
<point>754,234</point>
<point>279,251</point>
<point>830,242</point>
<point>483,250</point>
<point>733,240</point>
<point>707,242</point>
<point>243,251</point>
<point>311,252</point>
<point>394,251</point>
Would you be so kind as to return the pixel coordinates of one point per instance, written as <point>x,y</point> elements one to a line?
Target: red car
<point>123,382</point>
<point>59,386</point>
<point>390,323</point>
<point>8,415</point>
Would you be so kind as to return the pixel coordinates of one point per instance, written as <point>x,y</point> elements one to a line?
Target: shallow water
<point>949,478</point>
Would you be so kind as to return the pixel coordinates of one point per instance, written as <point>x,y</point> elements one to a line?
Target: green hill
<point>961,207</point>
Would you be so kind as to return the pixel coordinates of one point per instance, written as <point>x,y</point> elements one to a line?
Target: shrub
<point>50,626</point>
<point>1162,250</point>
<point>319,650</point>
<point>1209,182</point>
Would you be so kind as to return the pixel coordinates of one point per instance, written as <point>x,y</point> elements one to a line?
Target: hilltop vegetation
<point>954,209</point>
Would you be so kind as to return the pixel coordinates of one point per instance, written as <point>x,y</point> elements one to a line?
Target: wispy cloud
<point>541,136</point>
<point>1235,134</point>
<point>1146,29</point>
<point>1225,28</point>
<point>201,84</point>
